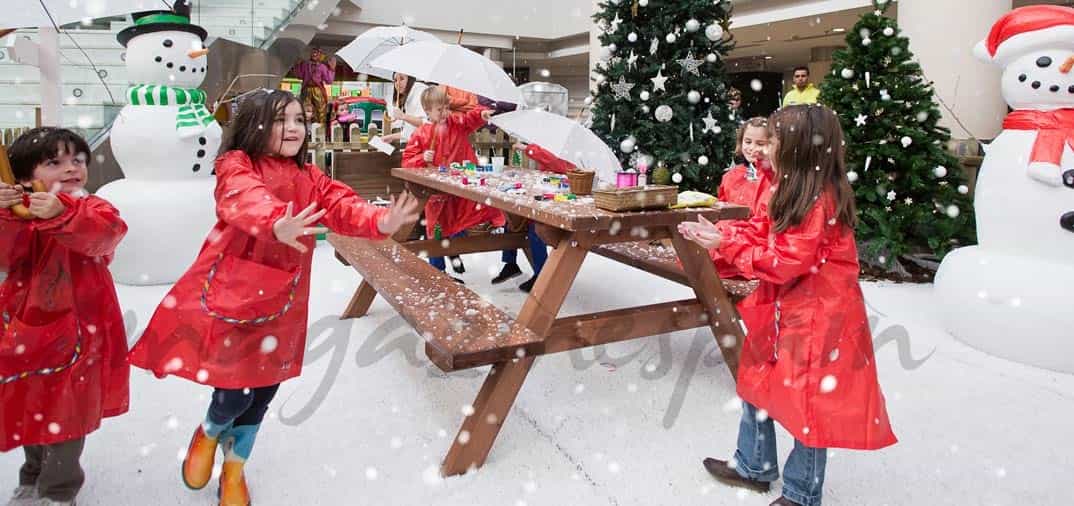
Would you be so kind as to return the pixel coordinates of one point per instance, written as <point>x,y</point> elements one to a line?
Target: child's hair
<point>756,122</point>
<point>433,97</point>
<point>251,131</point>
<point>41,145</point>
<point>809,163</point>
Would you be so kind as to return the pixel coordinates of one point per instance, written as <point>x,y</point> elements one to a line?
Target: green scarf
<point>193,118</point>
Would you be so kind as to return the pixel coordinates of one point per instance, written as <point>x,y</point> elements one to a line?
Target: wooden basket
<point>637,198</point>
<point>581,181</point>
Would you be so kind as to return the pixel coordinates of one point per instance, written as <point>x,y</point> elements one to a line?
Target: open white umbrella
<point>36,13</point>
<point>375,42</point>
<point>453,65</point>
<point>562,136</point>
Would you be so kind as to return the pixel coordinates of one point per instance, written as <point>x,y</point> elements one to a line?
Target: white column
<point>594,47</point>
<point>942,35</point>
<point>49,64</point>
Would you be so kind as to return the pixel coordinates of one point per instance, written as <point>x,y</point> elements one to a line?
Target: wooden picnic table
<point>462,330</point>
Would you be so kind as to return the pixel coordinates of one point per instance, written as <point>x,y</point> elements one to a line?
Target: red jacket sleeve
<point>414,154</point>
<point>89,226</point>
<point>776,258</point>
<point>547,160</point>
<point>15,234</point>
<point>468,121</point>
<point>242,200</point>
<point>345,212</point>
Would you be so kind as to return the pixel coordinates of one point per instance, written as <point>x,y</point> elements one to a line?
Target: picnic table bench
<point>461,330</point>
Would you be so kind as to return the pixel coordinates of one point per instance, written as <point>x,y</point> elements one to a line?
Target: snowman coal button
<point>201,153</point>
<point>1068,178</point>
<point>202,141</point>
<point>1054,88</point>
<point>197,167</point>
<point>1035,85</point>
<point>1022,78</point>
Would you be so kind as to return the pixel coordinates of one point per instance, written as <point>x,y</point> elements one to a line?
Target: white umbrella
<point>453,65</point>
<point>564,137</point>
<point>375,42</point>
<point>36,13</point>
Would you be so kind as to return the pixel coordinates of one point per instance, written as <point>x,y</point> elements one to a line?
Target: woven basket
<point>636,198</point>
<point>581,181</point>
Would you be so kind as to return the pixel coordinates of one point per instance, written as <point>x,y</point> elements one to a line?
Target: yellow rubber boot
<point>233,491</point>
<point>198,464</point>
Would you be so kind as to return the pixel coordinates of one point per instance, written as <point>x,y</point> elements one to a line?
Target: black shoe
<point>783,501</point>
<point>527,286</point>
<point>509,271</point>
<point>724,474</point>
<point>456,265</point>
<point>1067,221</point>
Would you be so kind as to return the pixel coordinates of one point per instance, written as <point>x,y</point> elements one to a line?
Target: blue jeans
<point>438,262</point>
<point>538,249</point>
<point>756,459</point>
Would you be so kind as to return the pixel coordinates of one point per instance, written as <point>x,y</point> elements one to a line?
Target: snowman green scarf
<point>192,119</point>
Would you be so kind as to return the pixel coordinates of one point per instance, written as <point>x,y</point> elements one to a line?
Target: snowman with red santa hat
<point>1009,295</point>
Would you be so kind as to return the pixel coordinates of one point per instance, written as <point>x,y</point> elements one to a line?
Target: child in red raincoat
<point>445,139</point>
<point>63,349</point>
<point>750,182</point>
<point>548,162</point>
<point>807,361</point>
<point>237,319</point>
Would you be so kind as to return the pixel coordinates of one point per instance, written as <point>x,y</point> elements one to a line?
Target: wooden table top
<point>576,215</point>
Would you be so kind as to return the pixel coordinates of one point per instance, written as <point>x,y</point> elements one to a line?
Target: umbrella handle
<point>7,176</point>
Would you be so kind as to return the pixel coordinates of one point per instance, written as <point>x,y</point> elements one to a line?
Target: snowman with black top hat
<point>165,140</point>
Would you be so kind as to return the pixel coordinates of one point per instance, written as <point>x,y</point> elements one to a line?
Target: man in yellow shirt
<point>803,92</point>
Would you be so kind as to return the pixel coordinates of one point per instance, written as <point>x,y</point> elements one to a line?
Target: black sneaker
<point>456,265</point>
<point>509,271</point>
<point>528,285</point>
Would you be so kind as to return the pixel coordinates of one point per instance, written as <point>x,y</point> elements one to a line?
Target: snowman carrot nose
<point>1067,65</point>
<point>198,53</point>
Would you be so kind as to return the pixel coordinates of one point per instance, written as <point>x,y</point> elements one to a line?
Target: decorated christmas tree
<point>911,195</point>
<point>661,94</point>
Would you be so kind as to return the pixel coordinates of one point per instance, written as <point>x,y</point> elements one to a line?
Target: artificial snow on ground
<point>628,424</point>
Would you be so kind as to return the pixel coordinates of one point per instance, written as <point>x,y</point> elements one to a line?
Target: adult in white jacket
<point>405,108</point>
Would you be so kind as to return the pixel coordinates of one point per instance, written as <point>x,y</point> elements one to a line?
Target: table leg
<point>722,315</point>
<point>479,430</point>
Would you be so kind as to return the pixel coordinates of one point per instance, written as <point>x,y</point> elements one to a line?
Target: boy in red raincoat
<point>547,162</point>
<point>445,139</point>
<point>807,361</point>
<point>63,349</point>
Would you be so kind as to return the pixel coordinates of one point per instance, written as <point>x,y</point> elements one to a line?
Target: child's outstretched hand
<point>292,226</point>
<point>10,195</point>
<point>404,210</point>
<point>428,156</point>
<point>702,232</point>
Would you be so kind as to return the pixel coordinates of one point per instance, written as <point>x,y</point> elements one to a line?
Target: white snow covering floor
<point>370,418</point>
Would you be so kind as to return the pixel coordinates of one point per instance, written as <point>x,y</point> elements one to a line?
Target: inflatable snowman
<point>165,140</point>
<point>1009,296</point>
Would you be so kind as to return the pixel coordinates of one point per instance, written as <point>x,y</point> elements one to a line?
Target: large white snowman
<point>165,140</point>
<point>1010,295</point>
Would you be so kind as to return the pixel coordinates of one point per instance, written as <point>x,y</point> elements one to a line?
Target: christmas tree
<point>910,191</point>
<point>661,96</point>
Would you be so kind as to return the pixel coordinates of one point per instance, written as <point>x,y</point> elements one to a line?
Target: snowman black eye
<point>168,43</point>
<point>1044,62</point>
